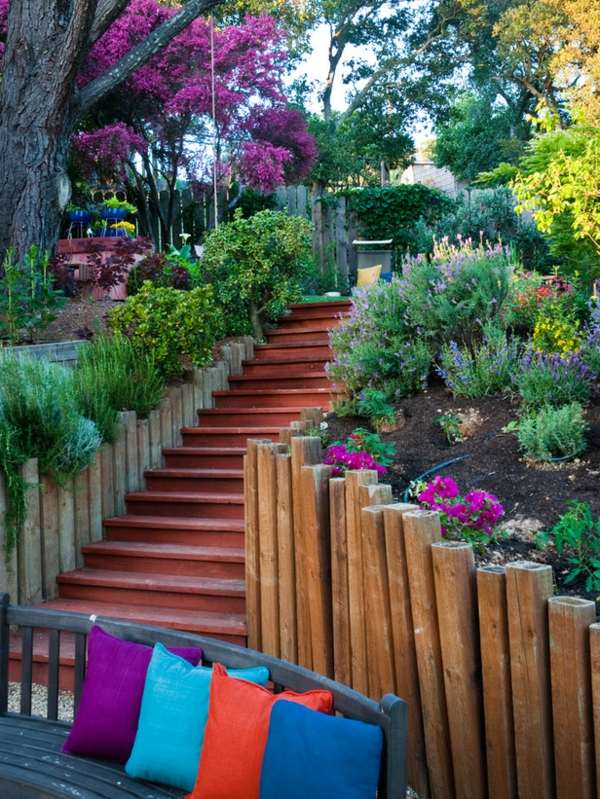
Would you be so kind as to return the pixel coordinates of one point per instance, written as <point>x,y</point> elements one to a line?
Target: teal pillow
<point>173,717</point>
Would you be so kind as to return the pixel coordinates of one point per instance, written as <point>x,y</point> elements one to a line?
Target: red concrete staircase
<point>176,558</point>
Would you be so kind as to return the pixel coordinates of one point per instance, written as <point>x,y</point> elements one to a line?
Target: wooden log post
<point>403,643</point>
<point>120,465</point>
<point>166,423</point>
<point>132,469</point>
<point>569,620</point>
<point>143,446</point>
<point>176,398</point>
<point>30,544</point>
<point>496,679</point>
<point>198,383</point>
<point>595,669</point>
<point>8,565</point>
<point>528,588</point>
<point>306,451</point>
<point>456,601</point>
<point>421,530</point>
<point>189,404</point>
<point>252,543</point>
<point>108,480</point>
<point>339,581</point>
<point>316,577</point>
<point>312,416</point>
<point>95,498</point>
<point>49,521</point>
<point>358,637</point>
<point>268,554</point>
<point>82,514</point>
<point>288,636</point>
<point>156,443</point>
<point>66,526</point>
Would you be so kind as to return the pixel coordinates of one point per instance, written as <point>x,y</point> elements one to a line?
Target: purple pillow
<point>106,722</point>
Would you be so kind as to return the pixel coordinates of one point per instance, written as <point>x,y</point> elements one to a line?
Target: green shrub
<point>28,299</point>
<point>112,376</point>
<point>553,379</point>
<point>553,433</point>
<point>591,350</point>
<point>256,266</point>
<point>170,326</point>
<point>484,369</point>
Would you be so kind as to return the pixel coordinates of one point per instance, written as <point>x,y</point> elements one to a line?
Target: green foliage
<point>362,440</point>
<point>524,301</point>
<point>553,379</point>
<point>171,326</point>
<point>374,404</point>
<point>576,535</point>
<point>256,266</point>
<point>28,300</point>
<point>251,202</point>
<point>122,205</point>
<point>451,427</point>
<point>391,212</point>
<point>111,376</point>
<point>553,433</point>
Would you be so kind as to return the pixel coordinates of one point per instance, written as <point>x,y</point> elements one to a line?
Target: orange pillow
<point>236,735</point>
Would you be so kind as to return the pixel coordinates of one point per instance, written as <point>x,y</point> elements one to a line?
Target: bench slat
<point>53,673</point>
<point>80,646</point>
<point>26,669</point>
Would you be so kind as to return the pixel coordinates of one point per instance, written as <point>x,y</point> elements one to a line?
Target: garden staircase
<point>176,558</point>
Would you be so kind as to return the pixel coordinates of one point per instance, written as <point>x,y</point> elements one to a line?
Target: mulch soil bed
<point>81,318</point>
<point>534,495</point>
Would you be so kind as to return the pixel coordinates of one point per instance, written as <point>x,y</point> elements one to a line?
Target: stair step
<point>309,324</point>
<point>274,417</point>
<point>218,437</point>
<point>289,379</point>
<point>176,504</point>
<point>174,559</point>
<point>265,398</point>
<point>204,457</point>
<point>300,365</point>
<point>330,306</point>
<point>191,479</point>
<point>309,335</point>
<point>180,530</point>
<point>155,590</point>
<point>284,351</point>
<point>306,314</point>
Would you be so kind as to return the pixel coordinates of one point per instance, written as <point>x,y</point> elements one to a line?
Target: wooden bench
<point>32,765</point>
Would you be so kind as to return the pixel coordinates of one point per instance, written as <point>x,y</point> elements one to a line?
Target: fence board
<point>358,639</point>
<point>143,447</point>
<point>66,517</point>
<point>569,621</point>
<point>108,480</point>
<point>528,587</point>
<point>132,467</point>
<point>252,544</point>
<point>156,443</point>
<point>305,451</point>
<point>403,642</point>
<point>176,398</point>
<point>285,558</point>
<point>82,514</point>
<point>166,423</point>
<point>595,667</point>
<point>421,530</point>
<point>50,536</point>
<point>95,498</point>
<point>187,392</point>
<point>267,527</point>
<point>120,466</point>
<point>30,544</point>
<point>8,566</point>
<point>497,690</point>
<point>339,581</point>
<point>314,534</point>
<point>455,588</point>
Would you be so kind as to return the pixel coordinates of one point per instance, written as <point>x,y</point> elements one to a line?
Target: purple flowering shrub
<point>473,517</point>
<point>554,379</point>
<point>591,350</point>
<point>361,450</point>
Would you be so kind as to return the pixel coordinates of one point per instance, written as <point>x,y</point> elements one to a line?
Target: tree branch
<point>142,53</point>
<point>107,12</point>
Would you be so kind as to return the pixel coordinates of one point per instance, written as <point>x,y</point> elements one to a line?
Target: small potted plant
<point>115,210</point>
<point>77,215</point>
<point>122,228</point>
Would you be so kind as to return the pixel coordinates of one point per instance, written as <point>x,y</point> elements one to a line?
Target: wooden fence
<point>502,679</point>
<point>60,519</point>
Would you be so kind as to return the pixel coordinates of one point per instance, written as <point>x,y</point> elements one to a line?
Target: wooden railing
<point>502,679</point>
<point>60,519</point>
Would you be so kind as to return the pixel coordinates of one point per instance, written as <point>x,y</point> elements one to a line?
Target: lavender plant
<point>553,379</point>
<point>553,433</point>
<point>591,350</point>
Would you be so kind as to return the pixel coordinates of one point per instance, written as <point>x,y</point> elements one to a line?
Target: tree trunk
<point>45,47</point>
<point>257,328</point>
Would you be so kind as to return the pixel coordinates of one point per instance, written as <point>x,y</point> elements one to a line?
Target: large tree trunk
<point>45,47</point>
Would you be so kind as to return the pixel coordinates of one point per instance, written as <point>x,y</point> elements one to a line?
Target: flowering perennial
<point>473,516</point>
<point>343,460</point>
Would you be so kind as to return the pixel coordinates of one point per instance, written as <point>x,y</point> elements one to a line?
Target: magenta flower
<point>474,516</point>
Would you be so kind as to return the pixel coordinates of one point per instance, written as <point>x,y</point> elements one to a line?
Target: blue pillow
<point>309,754</point>
<point>173,717</point>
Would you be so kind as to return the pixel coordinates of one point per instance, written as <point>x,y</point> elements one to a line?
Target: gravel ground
<point>39,701</point>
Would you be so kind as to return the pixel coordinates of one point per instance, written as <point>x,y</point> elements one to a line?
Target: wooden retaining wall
<point>502,678</point>
<point>62,518</point>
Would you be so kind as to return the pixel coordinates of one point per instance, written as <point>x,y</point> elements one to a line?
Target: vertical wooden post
<point>108,480</point>
<point>358,639</point>
<point>339,581</point>
<point>187,395</point>
<point>132,468</point>
<point>120,465</point>
<point>82,514</point>
<point>156,443</point>
<point>8,568</point>
<point>421,530</point>
<point>95,498</point>
<point>166,423</point>
<point>403,642</point>
<point>377,604</point>
<point>143,447</point>
<point>528,588</point>
<point>497,689</point>
<point>314,484</point>
<point>267,526</point>
<point>595,666</point>
<point>198,379</point>
<point>176,398</point>
<point>456,600</point>
<point>66,526</point>
<point>252,543</point>
<point>285,555</point>
<point>30,544</point>
<point>306,451</point>
<point>50,536</point>
<point>342,243</point>
<point>570,619</point>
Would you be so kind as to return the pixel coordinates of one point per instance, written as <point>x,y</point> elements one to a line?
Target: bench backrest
<point>390,714</point>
